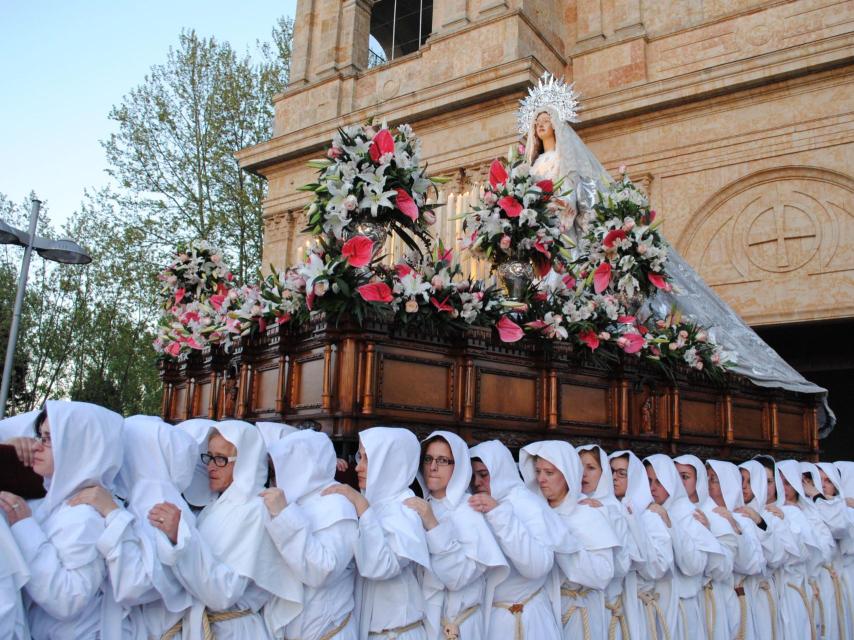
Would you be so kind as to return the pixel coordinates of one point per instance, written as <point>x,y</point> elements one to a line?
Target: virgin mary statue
<point>555,151</point>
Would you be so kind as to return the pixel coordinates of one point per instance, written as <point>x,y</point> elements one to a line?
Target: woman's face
<point>437,476</point>
<point>689,480</point>
<point>789,492</point>
<point>362,467</point>
<point>659,493</point>
<point>543,126</point>
<point>772,486</point>
<point>551,481</point>
<point>591,472</point>
<point>43,452</point>
<point>620,473</point>
<point>480,477</point>
<point>715,488</point>
<point>746,489</point>
<point>220,478</point>
<point>827,487</point>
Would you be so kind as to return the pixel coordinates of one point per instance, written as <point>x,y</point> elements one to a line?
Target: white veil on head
<point>846,476</point>
<point>729,478</point>
<point>198,493</point>
<point>638,494</point>
<point>832,472</point>
<point>21,425</point>
<point>758,484</point>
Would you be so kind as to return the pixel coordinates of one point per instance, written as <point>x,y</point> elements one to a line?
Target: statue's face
<point>543,126</point>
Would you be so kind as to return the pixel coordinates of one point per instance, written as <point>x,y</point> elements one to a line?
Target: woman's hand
<point>749,513</point>
<point>14,507</point>
<point>700,517</point>
<point>661,511</point>
<point>424,510</point>
<point>482,502</point>
<point>591,502</point>
<point>341,465</point>
<point>777,511</point>
<point>25,448</point>
<point>166,517</point>
<point>726,515</point>
<point>96,497</point>
<point>274,500</point>
<point>358,501</point>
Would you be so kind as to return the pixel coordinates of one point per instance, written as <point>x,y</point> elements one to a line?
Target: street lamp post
<point>64,251</point>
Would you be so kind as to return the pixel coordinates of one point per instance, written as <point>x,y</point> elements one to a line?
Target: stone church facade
<point>736,116</point>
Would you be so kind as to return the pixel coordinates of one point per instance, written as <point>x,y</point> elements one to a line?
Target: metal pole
<point>19,303</point>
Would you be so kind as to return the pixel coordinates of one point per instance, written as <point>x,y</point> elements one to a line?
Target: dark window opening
<point>398,28</point>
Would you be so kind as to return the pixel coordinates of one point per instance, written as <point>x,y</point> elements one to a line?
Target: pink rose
<point>429,217</point>
<point>320,288</point>
<point>437,282</point>
<point>504,243</point>
<point>333,153</point>
<point>489,198</point>
<point>411,306</point>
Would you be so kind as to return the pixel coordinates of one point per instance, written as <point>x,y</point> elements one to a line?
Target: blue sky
<point>65,63</point>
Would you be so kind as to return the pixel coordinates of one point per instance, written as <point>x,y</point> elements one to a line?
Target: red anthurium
<point>634,342</point>
<point>406,204</point>
<point>658,281</point>
<point>179,295</point>
<point>443,305</point>
<point>512,207</point>
<point>358,251</point>
<point>375,292</point>
<point>626,320</point>
<point>569,281</point>
<point>283,318</point>
<point>612,236</point>
<point>547,186</point>
<point>602,277</point>
<point>643,330</point>
<point>221,289</point>
<point>382,144</point>
<point>589,337</point>
<point>536,324</point>
<point>446,256</point>
<point>309,299</point>
<point>403,270</point>
<point>541,296</point>
<point>508,330</point>
<point>217,301</point>
<point>497,174</point>
<point>173,349</point>
<point>262,325</point>
<point>542,264</point>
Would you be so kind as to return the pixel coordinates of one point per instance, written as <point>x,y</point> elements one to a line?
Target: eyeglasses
<point>621,473</point>
<point>219,461</point>
<point>441,461</point>
<point>44,439</point>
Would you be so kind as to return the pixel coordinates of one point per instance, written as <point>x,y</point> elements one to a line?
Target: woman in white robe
<point>696,551</point>
<point>14,574</point>
<point>159,462</point>
<point>390,546</point>
<point>584,559</point>
<point>777,544</point>
<point>835,512</point>
<point>314,535</point>
<point>829,521</point>
<point>621,598</point>
<point>465,559</point>
<point>749,560</point>
<point>527,531</point>
<point>229,563</point>
<point>794,590</point>
<point>199,494</point>
<point>718,583</point>
<point>19,431</point>
<point>846,544</point>
<point>650,527</point>
<point>80,446</point>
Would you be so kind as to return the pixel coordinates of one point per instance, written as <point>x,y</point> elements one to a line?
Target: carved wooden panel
<point>308,381</point>
<point>415,384</point>
<point>790,424</point>
<point>202,399</point>
<point>265,388</point>
<point>505,394</point>
<point>179,401</point>
<point>749,419</point>
<point>585,403</point>
<point>700,415</point>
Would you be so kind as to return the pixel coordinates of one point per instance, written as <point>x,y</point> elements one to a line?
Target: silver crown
<point>550,92</point>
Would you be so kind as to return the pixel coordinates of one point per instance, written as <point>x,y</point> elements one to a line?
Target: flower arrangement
<point>517,218</point>
<point>371,175</point>
<point>626,254</point>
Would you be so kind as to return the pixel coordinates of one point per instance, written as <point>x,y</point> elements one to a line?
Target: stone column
<point>353,36</point>
<point>301,47</point>
<point>627,18</point>
<point>588,21</point>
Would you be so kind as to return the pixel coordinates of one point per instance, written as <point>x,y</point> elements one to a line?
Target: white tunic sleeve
<point>62,592</point>
<point>719,566</point>
<point>591,569</point>
<point>688,557</point>
<point>316,556</point>
<point>835,515</point>
<point>659,547</point>
<point>375,559</point>
<point>206,577</point>
<point>524,546</point>
<point>448,559</point>
<point>749,558</point>
<point>773,541</point>
<point>121,548</point>
<point>12,618</point>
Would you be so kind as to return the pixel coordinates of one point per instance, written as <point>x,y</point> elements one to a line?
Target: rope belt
<point>516,608</point>
<point>807,606</point>
<point>653,613</point>
<point>772,607</point>
<point>711,609</point>
<point>208,620</point>
<point>816,594</point>
<point>585,615</point>
<point>393,634</point>
<point>684,617</point>
<point>837,592</point>
<point>742,609</point>
<point>618,616</point>
<point>451,628</point>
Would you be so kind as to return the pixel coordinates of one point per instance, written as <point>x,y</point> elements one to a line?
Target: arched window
<point>398,27</point>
